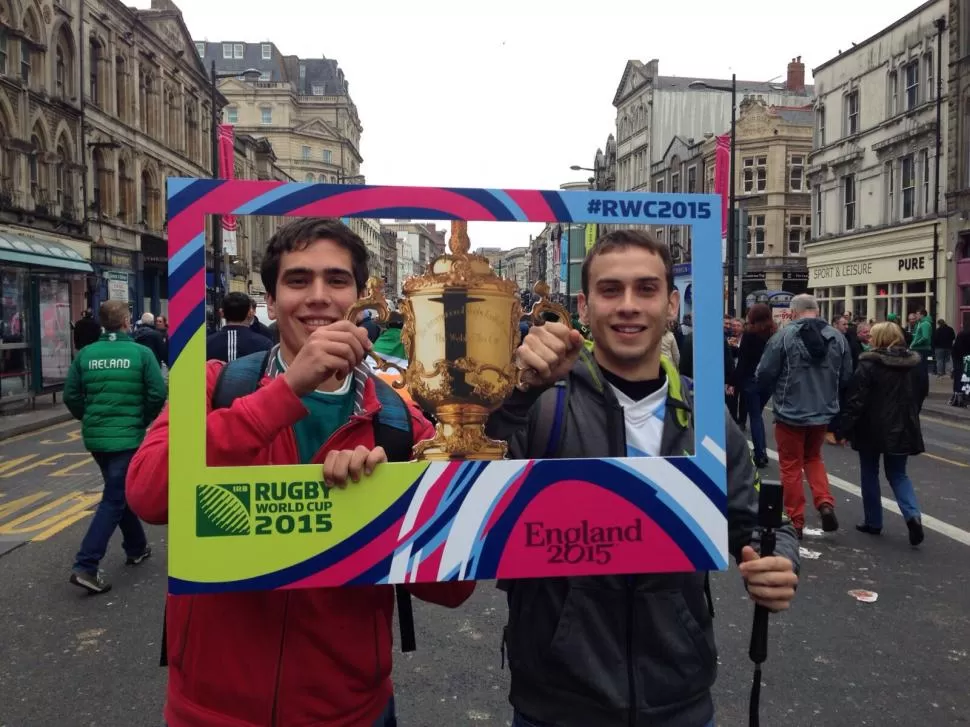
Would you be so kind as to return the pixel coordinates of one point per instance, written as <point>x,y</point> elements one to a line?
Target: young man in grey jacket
<point>633,650</point>
<point>805,366</point>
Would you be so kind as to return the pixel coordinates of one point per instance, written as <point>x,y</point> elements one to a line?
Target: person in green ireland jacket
<point>922,342</point>
<point>115,387</point>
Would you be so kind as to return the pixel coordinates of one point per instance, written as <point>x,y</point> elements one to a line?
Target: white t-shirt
<point>644,422</point>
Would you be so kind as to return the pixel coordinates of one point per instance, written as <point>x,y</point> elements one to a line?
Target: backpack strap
<point>239,378</point>
<point>393,428</point>
<point>549,423</point>
<point>394,431</point>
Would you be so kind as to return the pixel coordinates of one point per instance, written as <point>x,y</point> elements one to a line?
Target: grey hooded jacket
<point>805,366</point>
<point>619,651</point>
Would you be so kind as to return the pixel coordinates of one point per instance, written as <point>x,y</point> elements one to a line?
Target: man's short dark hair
<point>236,307</point>
<point>629,238</point>
<point>302,233</point>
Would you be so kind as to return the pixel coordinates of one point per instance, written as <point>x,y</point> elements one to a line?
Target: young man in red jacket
<point>299,657</point>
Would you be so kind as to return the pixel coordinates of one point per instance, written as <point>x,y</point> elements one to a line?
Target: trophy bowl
<point>461,330</point>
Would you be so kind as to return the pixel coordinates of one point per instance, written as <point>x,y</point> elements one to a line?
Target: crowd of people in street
<point>640,649</point>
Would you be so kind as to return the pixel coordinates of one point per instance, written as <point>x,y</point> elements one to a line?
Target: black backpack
<point>393,431</point>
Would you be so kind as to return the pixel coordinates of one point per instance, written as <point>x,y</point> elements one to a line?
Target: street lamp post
<point>734,301</point>
<point>940,27</point>
<point>250,74</point>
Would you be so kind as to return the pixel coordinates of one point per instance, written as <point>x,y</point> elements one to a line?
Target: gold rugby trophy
<point>461,330</point>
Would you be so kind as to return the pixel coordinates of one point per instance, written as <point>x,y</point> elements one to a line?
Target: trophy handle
<point>374,300</point>
<point>543,305</point>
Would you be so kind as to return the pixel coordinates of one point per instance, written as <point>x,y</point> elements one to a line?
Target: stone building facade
<point>872,171</point>
<point>957,253</point>
<point>302,105</point>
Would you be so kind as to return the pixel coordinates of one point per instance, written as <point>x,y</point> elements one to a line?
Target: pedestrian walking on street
<point>115,387</point>
<point>669,347</point>
<point>922,340</point>
<point>635,649</point>
<point>760,328</point>
<point>961,368</point>
<point>805,366</point>
<point>237,338</point>
<point>86,330</point>
<point>881,419</point>
<point>147,335</point>
<point>943,338</point>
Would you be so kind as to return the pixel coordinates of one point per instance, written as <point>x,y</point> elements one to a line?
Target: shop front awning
<point>23,249</point>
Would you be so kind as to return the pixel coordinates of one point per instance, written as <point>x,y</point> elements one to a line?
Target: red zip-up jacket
<point>294,658</point>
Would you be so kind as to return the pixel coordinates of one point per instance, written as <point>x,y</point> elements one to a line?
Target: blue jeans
<point>518,720</point>
<point>902,486</point>
<point>112,512</point>
<point>754,402</point>
<point>389,718</point>
<point>942,356</point>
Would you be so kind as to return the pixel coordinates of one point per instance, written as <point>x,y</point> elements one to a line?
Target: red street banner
<point>227,169</point>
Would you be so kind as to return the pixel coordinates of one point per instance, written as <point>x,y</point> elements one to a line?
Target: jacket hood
<point>810,331</point>
<point>901,358</point>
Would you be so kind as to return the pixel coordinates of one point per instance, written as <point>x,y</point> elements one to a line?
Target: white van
<point>262,314</point>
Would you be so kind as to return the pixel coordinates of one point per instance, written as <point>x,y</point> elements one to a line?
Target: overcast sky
<point>510,93</point>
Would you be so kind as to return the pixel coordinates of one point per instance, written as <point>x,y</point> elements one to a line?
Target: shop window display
<point>14,352</point>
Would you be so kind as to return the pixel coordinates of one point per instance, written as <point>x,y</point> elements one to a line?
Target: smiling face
<point>627,309</point>
<point>315,287</point>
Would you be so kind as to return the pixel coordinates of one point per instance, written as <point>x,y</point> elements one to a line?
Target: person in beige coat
<point>668,345</point>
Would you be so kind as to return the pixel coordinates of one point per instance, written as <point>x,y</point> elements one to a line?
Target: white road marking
<point>929,522</point>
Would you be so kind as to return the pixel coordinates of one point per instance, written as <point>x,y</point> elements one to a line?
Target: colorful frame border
<point>423,521</point>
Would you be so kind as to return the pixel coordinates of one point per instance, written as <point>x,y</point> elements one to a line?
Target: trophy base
<point>460,434</point>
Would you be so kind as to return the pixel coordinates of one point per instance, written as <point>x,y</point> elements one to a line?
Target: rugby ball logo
<point>222,510</point>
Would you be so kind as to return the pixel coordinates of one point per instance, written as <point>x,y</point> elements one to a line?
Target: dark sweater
<point>750,350</point>
<point>235,341</point>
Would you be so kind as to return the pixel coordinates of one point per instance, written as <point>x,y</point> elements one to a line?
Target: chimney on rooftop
<point>796,75</point>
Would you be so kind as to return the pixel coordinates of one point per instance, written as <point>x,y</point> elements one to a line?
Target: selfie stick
<point>770,503</point>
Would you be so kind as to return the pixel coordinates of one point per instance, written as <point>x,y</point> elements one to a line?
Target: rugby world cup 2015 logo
<point>222,510</point>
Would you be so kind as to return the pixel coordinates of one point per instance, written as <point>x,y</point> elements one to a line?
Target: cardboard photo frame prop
<point>276,527</point>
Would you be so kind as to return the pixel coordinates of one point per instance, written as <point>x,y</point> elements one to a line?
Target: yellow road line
<point>66,471</point>
<point>30,435</point>
<point>15,505</point>
<point>10,528</point>
<point>944,459</point>
<point>72,436</point>
<point>47,461</point>
<point>69,517</point>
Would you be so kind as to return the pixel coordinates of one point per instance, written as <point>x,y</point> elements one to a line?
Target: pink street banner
<point>227,170</point>
<point>722,176</point>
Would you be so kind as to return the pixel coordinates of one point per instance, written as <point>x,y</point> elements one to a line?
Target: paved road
<point>70,660</point>
<point>47,482</point>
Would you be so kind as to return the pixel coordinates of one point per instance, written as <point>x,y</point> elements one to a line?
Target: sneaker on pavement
<point>138,559</point>
<point>829,522</point>
<point>91,582</point>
